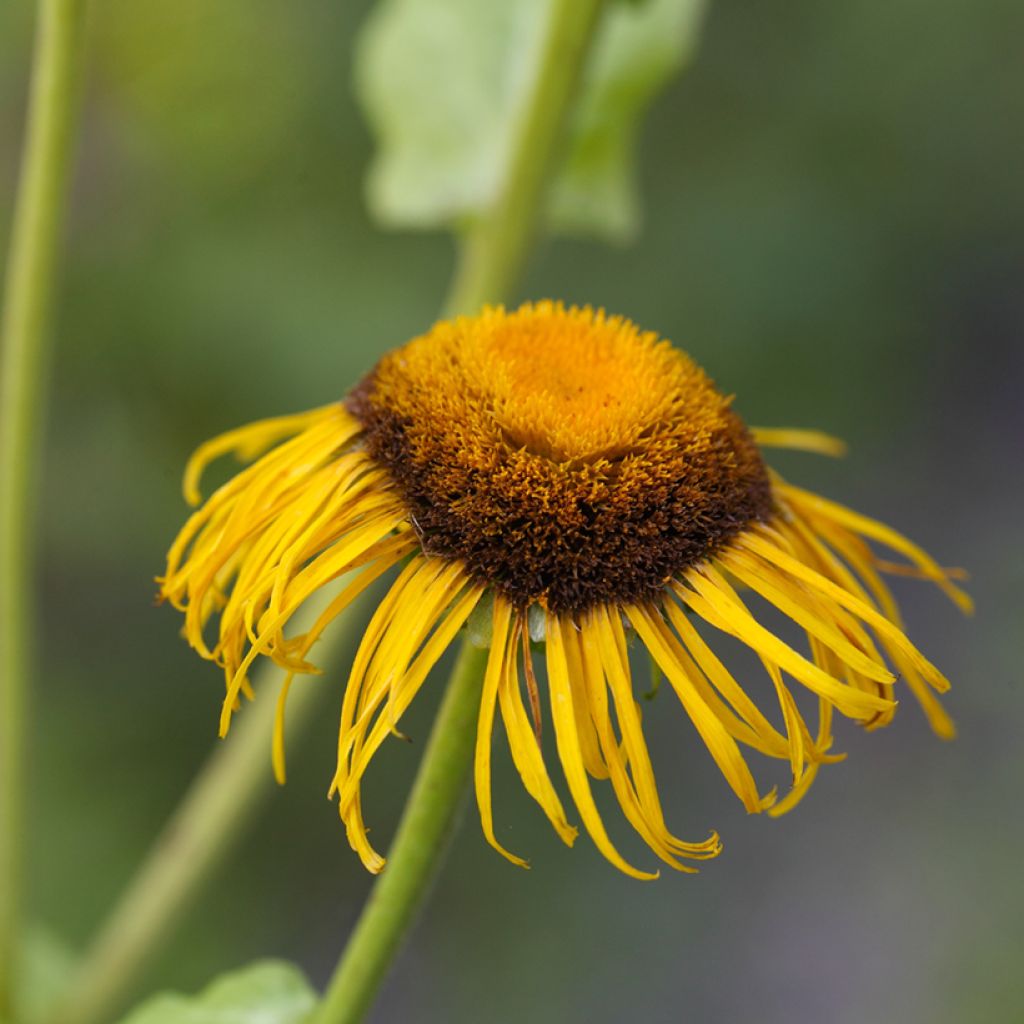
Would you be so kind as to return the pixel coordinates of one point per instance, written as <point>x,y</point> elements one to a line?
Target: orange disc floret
<point>563,455</point>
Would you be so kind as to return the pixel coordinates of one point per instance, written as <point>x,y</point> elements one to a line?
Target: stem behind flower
<point>495,247</point>
<point>416,852</point>
<point>491,259</point>
<point>28,292</point>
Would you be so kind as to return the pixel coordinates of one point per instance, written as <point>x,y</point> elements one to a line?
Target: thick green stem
<point>495,249</point>
<point>222,799</point>
<point>416,852</point>
<point>35,235</point>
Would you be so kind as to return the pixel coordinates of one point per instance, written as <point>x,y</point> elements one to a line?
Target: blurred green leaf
<point>46,968</point>
<point>443,81</point>
<point>270,992</point>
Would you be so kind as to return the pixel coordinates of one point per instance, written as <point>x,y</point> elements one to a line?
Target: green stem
<point>222,799</point>
<point>495,249</point>
<point>35,234</point>
<point>490,262</point>
<point>416,852</point>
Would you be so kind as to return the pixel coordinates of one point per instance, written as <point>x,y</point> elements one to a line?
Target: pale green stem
<point>223,798</point>
<point>494,250</point>
<point>491,260</point>
<point>35,234</point>
<point>416,852</point>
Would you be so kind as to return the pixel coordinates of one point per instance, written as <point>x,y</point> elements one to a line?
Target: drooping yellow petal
<point>249,441</point>
<point>360,664</point>
<point>262,644</point>
<point>823,658</point>
<point>388,554</point>
<point>631,771</point>
<point>570,752</point>
<point>649,626</point>
<point>405,686</point>
<point>795,728</point>
<point>867,527</point>
<point>496,669</point>
<point>770,742</point>
<point>784,596</point>
<point>586,727</point>
<point>717,604</point>
<point>403,690</point>
<point>593,680</point>
<point>858,555</point>
<point>775,555</point>
<point>525,748</point>
<point>738,728</point>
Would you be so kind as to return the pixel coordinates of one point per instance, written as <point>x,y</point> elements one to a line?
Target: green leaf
<point>268,992</point>
<point>443,81</point>
<point>46,966</point>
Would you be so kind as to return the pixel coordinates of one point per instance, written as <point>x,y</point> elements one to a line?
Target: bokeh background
<point>834,229</point>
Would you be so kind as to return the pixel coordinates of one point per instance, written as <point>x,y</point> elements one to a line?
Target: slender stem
<point>494,251</point>
<point>38,213</point>
<point>416,852</point>
<point>490,262</point>
<point>223,798</point>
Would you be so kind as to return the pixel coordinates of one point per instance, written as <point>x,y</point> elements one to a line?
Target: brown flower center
<point>563,455</point>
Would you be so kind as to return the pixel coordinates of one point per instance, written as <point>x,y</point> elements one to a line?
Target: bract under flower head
<point>588,481</point>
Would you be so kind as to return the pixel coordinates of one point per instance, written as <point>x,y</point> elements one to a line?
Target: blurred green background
<point>834,229</point>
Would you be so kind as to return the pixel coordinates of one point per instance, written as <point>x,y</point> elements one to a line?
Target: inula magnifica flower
<point>582,483</point>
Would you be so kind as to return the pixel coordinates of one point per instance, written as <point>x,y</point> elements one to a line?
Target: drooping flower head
<point>582,483</point>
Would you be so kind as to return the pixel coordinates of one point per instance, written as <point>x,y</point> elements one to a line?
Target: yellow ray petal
<point>496,668</point>
<point>771,742</point>
<point>778,591</point>
<point>882,626</point>
<point>737,727</point>
<point>586,728</point>
<point>882,533</point>
<point>569,750</point>
<point>799,440</point>
<point>860,558</point>
<point>247,442</point>
<point>407,686</point>
<point>348,794</point>
<point>795,728</point>
<point>614,755</point>
<point>650,628</point>
<point>717,603</point>
<point>526,752</point>
<point>601,647</point>
<point>360,663</point>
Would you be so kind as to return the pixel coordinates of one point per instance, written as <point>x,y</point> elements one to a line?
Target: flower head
<point>580,482</point>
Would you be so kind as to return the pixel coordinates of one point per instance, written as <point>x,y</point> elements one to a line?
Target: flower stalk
<point>491,258</point>
<point>35,235</point>
<point>223,798</point>
<point>495,247</point>
<point>415,855</point>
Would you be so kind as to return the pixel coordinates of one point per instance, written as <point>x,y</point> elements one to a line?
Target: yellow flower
<point>579,481</point>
